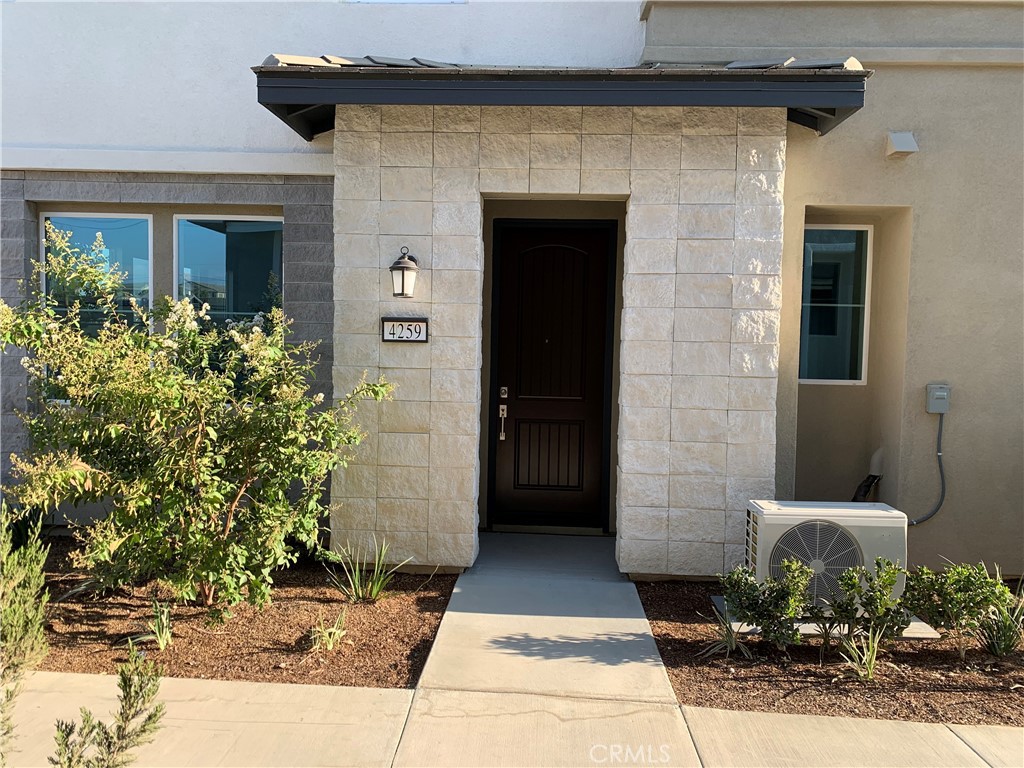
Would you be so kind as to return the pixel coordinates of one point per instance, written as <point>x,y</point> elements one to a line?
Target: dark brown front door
<point>550,373</point>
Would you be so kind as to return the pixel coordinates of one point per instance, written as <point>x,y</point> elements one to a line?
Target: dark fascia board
<point>304,97</point>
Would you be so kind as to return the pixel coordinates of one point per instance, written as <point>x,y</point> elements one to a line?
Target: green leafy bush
<point>206,441</point>
<point>774,605</point>
<point>867,604</point>
<point>956,599</point>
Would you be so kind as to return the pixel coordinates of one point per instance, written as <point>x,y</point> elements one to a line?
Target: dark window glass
<point>834,304</point>
<point>234,265</point>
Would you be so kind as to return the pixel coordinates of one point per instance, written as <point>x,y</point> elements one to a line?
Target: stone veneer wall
<point>699,327</point>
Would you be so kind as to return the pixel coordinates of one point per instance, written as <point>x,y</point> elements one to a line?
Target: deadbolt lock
<point>503,393</point>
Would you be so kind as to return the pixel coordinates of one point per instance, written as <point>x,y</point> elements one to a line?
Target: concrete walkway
<point>544,658</point>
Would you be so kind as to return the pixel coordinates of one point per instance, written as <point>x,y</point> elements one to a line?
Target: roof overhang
<point>304,97</point>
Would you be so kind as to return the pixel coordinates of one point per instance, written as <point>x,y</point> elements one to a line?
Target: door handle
<point>502,414</point>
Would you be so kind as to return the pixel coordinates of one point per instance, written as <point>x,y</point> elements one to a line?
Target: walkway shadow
<point>611,649</point>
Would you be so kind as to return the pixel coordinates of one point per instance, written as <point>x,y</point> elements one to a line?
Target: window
<point>127,248</point>
<point>834,315</point>
<point>232,264</point>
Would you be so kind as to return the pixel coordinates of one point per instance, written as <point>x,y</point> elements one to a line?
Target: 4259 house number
<point>408,329</point>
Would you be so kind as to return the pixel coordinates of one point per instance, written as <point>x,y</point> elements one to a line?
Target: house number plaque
<point>407,329</point>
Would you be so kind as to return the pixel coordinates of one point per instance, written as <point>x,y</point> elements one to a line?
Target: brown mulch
<point>386,644</point>
<point>918,680</point>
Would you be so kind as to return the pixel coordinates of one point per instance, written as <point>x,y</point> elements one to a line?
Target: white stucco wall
<point>166,86</point>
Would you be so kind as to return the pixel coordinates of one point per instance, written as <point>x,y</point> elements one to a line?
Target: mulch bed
<point>387,642</point>
<point>918,680</point>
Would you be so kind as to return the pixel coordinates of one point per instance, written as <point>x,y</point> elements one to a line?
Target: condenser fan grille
<point>827,548</point>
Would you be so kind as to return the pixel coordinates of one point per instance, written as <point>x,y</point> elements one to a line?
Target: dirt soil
<point>922,680</point>
<point>386,644</point>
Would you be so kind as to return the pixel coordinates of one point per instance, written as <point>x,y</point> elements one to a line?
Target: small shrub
<point>160,626</point>
<point>956,599</point>
<point>867,603</point>
<point>22,614</point>
<point>94,744</point>
<point>327,636</point>
<point>828,625</point>
<point>774,606</point>
<point>861,652</point>
<point>360,580</point>
<point>1001,631</point>
<point>728,641</point>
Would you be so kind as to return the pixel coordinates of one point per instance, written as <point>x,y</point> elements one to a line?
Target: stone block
<point>505,119</point>
<point>647,324</point>
<point>645,391</point>
<point>735,556</point>
<point>704,256</point>
<point>752,394</point>
<point>505,150</point>
<point>707,222</point>
<point>651,221</point>
<point>357,182</point>
<point>751,427</point>
<point>405,183</point>
<point>645,357</point>
<point>457,286</point>
<point>405,355</point>
<point>760,153</point>
<point>456,185</point>
<point>700,392</point>
<point>505,181</point>
<point>654,186</point>
<point>642,556</point>
<point>706,525</point>
<point>703,290</point>
<point>457,219</point>
<point>356,284</point>
<point>458,252</point>
<point>554,182</point>
<point>455,419</point>
<point>402,515</point>
<point>698,459</point>
<point>708,186</point>
<point>357,217</point>
<point>644,457</point>
<point>456,150</point>
<point>352,514</point>
<point>699,425</point>
<point>356,149</point>
<point>408,546</point>
<point>455,353</point>
<point>636,423</point>
<point>345,378</point>
<point>650,256</point>
<point>405,218</point>
<point>608,120</point>
<point>709,121</point>
<point>454,451</point>
<point>452,549</point>
<point>453,517</point>
<point>702,325</point>
<point>643,490</point>
<point>407,149</point>
<point>755,326</point>
<point>454,386</point>
<point>697,492</point>
<point>655,152</point>
<point>695,558</point>
<point>403,449</point>
<point>759,222</point>
<point>356,117</point>
<point>740,490</point>
<point>700,358</point>
<point>356,481</point>
<point>758,257</point>
<point>604,183</point>
<point>759,360</point>
<point>402,118</point>
<point>761,121</point>
<point>752,460</point>
<point>657,120</point>
<point>735,524</point>
<point>702,153</point>
<point>411,384</point>
<point>556,119</point>
<point>453,484</point>
<point>357,350</point>
<point>604,152</point>
<point>401,416</point>
<point>759,188</point>
<point>456,118</point>
<point>420,246</point>
<point>402,482</point>
<point>554,150</point>
<point>757,292</point>
<point>643,523</point>
<point>462,320</point>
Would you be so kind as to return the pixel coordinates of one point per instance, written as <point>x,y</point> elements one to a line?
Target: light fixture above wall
<point>403,274</point>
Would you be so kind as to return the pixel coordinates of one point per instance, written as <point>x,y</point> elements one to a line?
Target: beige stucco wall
<point>698,356</point>
<point>951,73</point>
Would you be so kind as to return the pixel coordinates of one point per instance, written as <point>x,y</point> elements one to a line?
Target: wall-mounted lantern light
<point>403,275</point>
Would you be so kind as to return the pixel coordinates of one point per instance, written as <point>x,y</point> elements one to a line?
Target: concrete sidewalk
<point>544,658</point>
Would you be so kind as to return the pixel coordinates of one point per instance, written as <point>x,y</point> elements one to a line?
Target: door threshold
<point>558,530</point>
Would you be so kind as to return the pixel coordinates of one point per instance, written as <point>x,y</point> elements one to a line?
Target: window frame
<point>215,217</point>
<point>866,331</point>
<point>44,215</point>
